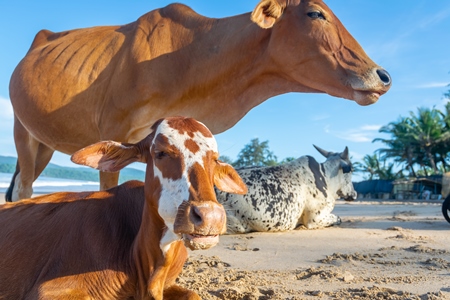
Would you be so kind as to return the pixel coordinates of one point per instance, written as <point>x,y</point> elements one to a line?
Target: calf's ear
<point>267,13</point>
<point>107,156</point>
<point>228,180</point>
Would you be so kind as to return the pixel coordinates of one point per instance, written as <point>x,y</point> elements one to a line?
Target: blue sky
<point>410,39</point>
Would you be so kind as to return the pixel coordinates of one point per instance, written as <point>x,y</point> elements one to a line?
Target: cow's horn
<point>321,151</point>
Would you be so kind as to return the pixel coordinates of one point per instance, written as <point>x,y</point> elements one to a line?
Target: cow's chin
<point>200,242</point>
<point>365,98</point>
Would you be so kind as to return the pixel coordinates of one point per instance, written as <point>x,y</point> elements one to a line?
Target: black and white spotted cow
<point>280,198</point>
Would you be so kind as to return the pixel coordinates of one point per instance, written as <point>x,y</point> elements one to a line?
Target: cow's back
<point>99,227</point>
<point>274,201</point>
<point>63,75</point>
<point>105,74</point>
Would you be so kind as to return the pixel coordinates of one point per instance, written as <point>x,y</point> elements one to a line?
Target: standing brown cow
<point>77,87</point>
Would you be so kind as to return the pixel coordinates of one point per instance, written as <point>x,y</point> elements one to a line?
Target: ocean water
<point>45,185</point>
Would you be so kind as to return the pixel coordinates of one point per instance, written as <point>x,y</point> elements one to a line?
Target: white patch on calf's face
<point>178,140</point>
<point>173,193</point>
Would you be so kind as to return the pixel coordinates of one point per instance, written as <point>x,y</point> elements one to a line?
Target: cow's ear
<point>228,180</point>
<point>267,13</point>
<point>344,155</point>
<point>107,156</point>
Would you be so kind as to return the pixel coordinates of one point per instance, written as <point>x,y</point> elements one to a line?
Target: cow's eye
<point>160,154</point>
<point>316,15</point>
<point>347,169</point>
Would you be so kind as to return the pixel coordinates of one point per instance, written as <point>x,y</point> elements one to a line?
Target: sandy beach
<point>382,250</point>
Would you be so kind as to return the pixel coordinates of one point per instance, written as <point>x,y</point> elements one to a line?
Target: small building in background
<point>424,188</point>
<point>374,189</point>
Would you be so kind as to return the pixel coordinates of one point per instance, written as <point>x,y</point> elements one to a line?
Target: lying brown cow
<point>126,242</point>
<point>77,87</point>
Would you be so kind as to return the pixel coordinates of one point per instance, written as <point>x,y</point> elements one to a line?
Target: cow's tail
<point>9,191</point>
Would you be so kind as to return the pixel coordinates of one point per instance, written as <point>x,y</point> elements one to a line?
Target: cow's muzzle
<point>200,223</point>
<point>351,196</point>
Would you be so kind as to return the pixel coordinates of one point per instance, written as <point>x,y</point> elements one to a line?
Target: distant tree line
<point>58,172</point>
<point>77,173</point>
<point>255,154</point>
<point>7,168</point>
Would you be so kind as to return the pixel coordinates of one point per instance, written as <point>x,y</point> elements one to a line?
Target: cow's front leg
<point>236,225</point>
<point>321,220</point>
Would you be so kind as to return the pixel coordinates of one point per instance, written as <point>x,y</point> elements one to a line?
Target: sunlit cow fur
<point>280,198</point>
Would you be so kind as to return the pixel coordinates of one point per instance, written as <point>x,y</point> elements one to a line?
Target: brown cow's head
<point>182,169</point>
<point>325,45</point>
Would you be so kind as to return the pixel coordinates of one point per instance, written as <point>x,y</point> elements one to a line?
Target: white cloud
<point>364,134</point>
<point>435,19</point>
<point>320,117</point>
<point>6,128</point>
<point>432,85</point>
<point>401,38</point>
<point>6,110</point>
<point>371,127</point>
<point>356,156</point>
<point>356,137</point>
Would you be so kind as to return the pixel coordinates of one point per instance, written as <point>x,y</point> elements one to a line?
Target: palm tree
<point>443,149</point>
<point>377,169</point>
<point>388,173</point>
<point>447,95</point>
<point>369,165</point>
<point>400,148</point>
<point>421,139</point>
<point>427,130</point>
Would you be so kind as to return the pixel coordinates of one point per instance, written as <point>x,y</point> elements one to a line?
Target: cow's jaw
<point>200,242</point>
<point>192,241</point>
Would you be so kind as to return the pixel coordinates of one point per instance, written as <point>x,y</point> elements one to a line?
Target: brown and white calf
<point>127,242</point>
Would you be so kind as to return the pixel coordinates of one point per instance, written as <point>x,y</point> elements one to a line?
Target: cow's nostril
<point>384,76</point>
<point>196,215</point>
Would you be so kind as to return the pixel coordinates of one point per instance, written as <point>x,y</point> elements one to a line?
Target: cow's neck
<point>237,71</point>
<point>146,254</point>
<point>230,74</point>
